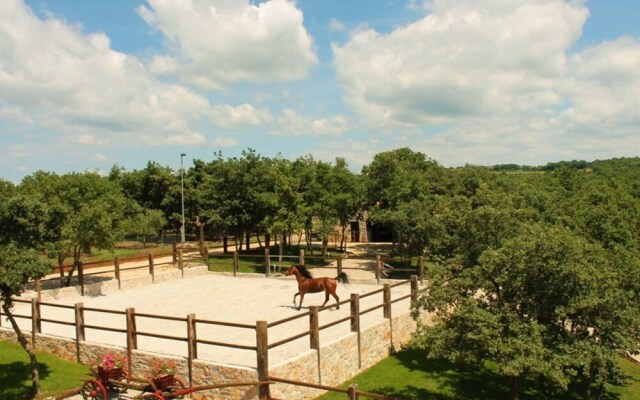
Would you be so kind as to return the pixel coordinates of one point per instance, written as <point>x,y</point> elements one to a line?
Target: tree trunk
<point>35,376</point>
<point>248,240</point>
<point>515,382</point>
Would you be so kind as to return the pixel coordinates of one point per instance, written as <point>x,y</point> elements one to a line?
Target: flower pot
<point>163,382</point>
<point>113,373</point>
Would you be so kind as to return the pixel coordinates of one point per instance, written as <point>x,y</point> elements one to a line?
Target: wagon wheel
<point>94,390</point>
<point>179,385</point>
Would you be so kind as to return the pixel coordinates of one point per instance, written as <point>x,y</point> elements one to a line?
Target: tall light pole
<point>182,187</point>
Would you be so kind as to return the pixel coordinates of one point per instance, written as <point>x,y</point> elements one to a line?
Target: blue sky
<point>85,85</point>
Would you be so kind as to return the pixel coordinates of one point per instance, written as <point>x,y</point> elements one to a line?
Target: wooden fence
<point>261,347</point>
<point>193,341</point>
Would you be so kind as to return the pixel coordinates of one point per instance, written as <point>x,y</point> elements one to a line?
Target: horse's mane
<point>304,271</point>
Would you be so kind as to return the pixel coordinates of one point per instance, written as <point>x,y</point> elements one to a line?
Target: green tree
<point>17,268</point>
<point>66,215</point>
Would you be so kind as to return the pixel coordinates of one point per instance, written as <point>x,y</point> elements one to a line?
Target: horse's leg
<point>294,298</point>
<point>335,296</point>
<point>301,298</point>
<point>326,297</point>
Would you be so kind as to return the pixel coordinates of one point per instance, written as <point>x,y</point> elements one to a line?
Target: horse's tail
<point>342,277</point>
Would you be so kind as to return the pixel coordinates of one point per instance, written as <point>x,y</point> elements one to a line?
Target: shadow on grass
<point>15,380</point>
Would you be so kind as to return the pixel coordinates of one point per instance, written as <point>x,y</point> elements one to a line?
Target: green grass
<point>410,375</point>
<point>56,375</point>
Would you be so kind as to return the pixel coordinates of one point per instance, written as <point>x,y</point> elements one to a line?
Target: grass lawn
<point>56,375</point>
<point>410,375</point>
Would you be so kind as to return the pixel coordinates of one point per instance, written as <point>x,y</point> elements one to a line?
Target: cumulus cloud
<point>214,42</point>
<point>464,58</point>
<point>603,86</point>
<point>240,117</point>
<point>70,81</point>
<point>290,122</point>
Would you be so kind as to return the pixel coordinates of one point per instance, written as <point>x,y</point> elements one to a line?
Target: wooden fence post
<point>116,265</point>
<point>414,290</point>
<point>267,264</point>
<point>132,338</point>
<point>339,265</point>
<point>192,343</point>
<point>352,392</point>
<point>80,331</point>
<point>378,268</point>
<point>36,322</point>
<point>421,269</point>
<point>181,262</point>
<point>152,268</point>
<point>314,336</point>
<point>175,252</point>
<point>386,300</point>
<point>236,262</point>
<point>81,277</point>
<point>355,322</point>
<point>39,289</point>
<point>262,350</point>
<point>301,259</point>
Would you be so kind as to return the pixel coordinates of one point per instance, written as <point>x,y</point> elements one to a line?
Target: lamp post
<point>182,191</point>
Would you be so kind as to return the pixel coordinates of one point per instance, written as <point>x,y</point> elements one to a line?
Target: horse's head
<point>291,270</point>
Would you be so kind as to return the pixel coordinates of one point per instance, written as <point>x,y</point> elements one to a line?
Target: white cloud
<point>224,141</point>
<point>336,25</point>
<point>464,59</point>
<point>240,117</point>
<point>290,122</point>
<point>66,80</point>
<point>603,87</point>
<point>215,41</point>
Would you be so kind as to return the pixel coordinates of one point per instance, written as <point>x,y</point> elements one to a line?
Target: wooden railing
<point>262,345</point>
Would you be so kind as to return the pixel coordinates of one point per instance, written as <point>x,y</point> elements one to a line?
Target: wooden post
<point>116,265</point>
<point>181,262</point>
<point>386,296</point>
<point>267,264</point>
<point>132,338</point>
<point>314,336</point>
<point>355,323</point>
<point>175,252</point>
<point>301,261</point>
<point>39,289</point>
<point>81,277</point>
<point>132,335</point>
<point>352,392</point>
<point>421,269</point>
<point>262,350</point>
<point>152,269</point>
<point>339,265</point>
<point>36,322</point>
<point>236,263</point>
<point>414,290</point>
<point>378,267</point>
<point>80,331</point>
<point>279,255</point>
<point>192,343</point>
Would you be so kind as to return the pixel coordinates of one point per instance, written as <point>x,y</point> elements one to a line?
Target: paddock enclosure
<point>321,346</point>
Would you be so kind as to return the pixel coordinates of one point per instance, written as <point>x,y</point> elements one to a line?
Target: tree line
<point>535,268</point>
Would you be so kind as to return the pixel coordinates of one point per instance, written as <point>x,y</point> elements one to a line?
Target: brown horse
<point>309,284</point>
